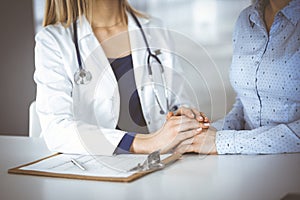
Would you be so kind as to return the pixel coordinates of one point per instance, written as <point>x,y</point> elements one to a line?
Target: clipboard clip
<point>150,164</point>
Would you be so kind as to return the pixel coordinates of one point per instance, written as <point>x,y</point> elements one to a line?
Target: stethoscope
<point>83,76</point>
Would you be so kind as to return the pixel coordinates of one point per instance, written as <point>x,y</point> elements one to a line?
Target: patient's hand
<point>203,143</point>
<point>193,114</point>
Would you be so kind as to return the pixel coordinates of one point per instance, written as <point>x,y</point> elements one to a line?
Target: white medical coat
<point>83,118</point>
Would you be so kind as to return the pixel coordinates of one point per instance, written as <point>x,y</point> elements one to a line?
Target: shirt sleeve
<point>234,120</point>
<point>283,138</point>
<point>125,144</point>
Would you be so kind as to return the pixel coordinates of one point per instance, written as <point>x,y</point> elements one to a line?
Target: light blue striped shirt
<point>265,74</point>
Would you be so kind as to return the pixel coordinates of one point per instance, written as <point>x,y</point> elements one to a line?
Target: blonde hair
<point>67,11</point>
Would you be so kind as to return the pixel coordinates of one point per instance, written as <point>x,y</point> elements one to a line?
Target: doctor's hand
<point>203,143</point>
<point>175,130</point>
<point>193,114</point>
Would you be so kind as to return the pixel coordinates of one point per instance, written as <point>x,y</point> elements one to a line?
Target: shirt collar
<point>256,16</point>
<point>84,27</point>
<point>291,12</point>
<point>259,7</point>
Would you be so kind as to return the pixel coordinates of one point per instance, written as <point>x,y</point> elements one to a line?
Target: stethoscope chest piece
<point>82,77</point>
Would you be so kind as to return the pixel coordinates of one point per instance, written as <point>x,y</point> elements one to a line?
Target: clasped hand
<point>204,141</point>
<point>187,130</point>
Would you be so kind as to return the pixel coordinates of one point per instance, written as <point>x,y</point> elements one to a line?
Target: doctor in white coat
<point>85,116</point>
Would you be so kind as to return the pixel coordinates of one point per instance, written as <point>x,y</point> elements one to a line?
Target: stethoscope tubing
<point>150,55</point>
<point>76,45</point>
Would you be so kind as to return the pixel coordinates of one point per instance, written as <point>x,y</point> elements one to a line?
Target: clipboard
<point>18,170</point>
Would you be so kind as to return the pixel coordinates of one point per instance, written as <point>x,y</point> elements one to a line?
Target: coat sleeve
<point>61,131</point>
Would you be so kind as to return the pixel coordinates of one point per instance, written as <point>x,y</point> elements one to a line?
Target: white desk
<point>214,177</point>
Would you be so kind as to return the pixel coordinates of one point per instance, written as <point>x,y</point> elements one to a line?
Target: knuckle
<point>172,122</point>
<point>180,137</point>
<point>180,110</point>
<point>195,111</point>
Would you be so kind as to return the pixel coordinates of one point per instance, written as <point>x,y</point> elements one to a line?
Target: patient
<point>265,73</point>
